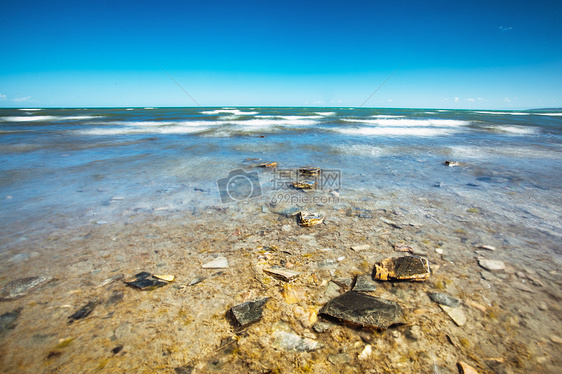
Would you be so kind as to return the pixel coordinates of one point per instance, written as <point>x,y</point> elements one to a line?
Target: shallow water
<point>90,193</point>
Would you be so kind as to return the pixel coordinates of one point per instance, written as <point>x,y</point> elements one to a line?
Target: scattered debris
<point>20,287</point>
<point>269,164</point>
<point>403,248</point>
<point>363,310</point>
<point>453,163</point>
<point>309,170</point>
<point>305,185</point>
<point>487,247</point>
<point>248,312</point>
<point>83,312</point>
<point>443,299</point>
<point>285,274</point>
<point>146,281</point>
<point>308,219</point>
<point>218,263</point>
<point>412,268</point>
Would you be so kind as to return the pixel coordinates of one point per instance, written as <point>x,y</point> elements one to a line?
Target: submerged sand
<point>512,315</point>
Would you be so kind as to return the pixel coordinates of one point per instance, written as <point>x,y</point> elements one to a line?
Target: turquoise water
<point>65,167</point>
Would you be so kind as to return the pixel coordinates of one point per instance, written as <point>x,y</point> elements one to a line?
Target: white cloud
<point>456,99</point>
<point>505,28</point>
<point>480,99</point>
<point>507,100</point>
<point>470,99</point>
<point>3,97</point>
<point>21,99</point>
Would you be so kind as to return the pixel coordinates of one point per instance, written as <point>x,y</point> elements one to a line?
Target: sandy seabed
<point>512,316</point>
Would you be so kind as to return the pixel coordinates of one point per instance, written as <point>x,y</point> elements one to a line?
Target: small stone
<point>452,163</point>
<point>308,219</point>
<point>309,170</point>
<point>556,339</point>
<point>286,228</point>
<point>305,185</point>
<point>465,368</point>
<point>439,250</point>
<point>488,276</point>
<point>269,164</point>
<point>83,312</point>
<point>364,310</point>
<point>444,299</point>
<point>487,247</point>
<point>391,223</point>
<point>366,353</point>
<point>456,314</point>
<point>196,280</point>
<point>343,282</point>
<point>285,274</point>
<point>476,305</point>
<point>321,327</point>
<point>289,341</point>
<point>364,284</point>
<point>20,287</point>
<point>491,265</point>
<point>403,248</point>
<point>326,264</point>
<point>145,282</point>
<point>248,312</point>
<point>218,263</point>
<point>522,287</point>
<point>8,320</point>
<point>360,247</point>
<point>186,369</point>
<point>403,268</point>
<point>413,333</point>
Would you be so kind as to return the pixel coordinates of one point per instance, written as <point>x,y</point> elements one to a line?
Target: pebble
<point>444,299</point>
<point>289,341</point>
<point>321,327</point>
<point>20,287</point>
<point>248,312</point>
<point>465,368</point>
<point>285,274</point>
<point>83,312</point>
<point>365,284</point>
<point>366,353</point>
<point>360,247</point>
<point>390,222</point>
<point>491,265</point>
<point>487,247</point>
<point>439,250</point>
<point>456,314</point>
<point>522,287</point>
<point>217,263</point>
<point>8,320</point>
<point>556,339</point>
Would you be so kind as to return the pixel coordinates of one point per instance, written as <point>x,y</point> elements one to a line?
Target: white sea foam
<point>287,121</point>
<point>386,116</point>
<point>503,113</point>
<point>28,119</point>
<point>359,150</point>
<point>235,112</point>
<point>144,130</point>
<point>550,114</point>
<point>31,109</point>
<point>397,131</point>
<point>326,113</point>
<point>517,130</point>
<point>470,152</point>
<point>411,122</point>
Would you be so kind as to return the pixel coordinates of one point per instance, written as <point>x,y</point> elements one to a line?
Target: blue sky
<point>478,54</point>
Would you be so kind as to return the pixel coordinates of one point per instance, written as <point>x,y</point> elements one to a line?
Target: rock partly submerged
<point>359,309</point>
<point>413,268</point>
<point>146,281</point>
<point>444,299</point>
<point>308,219</point>
<point>491,265</point>
<point>20,287</point>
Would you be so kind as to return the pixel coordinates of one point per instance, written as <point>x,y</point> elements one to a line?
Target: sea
<point>62,168</point>
<point>211,202</point>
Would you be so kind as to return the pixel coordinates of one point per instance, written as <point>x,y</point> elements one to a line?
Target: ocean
<point>453,180</point>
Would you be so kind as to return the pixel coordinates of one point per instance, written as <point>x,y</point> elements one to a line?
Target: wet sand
<point>512,316</point>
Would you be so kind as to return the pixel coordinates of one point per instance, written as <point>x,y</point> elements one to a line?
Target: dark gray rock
<point>146,281</point>
<point>8,320</point>
<point>83,312</point>
<point>248,312</point>
<point>444,299</point>
<point>20,287</point>
<point>364,284</point>
<point>363,310</point>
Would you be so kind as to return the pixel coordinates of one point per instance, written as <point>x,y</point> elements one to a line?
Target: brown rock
<point>412,268</point>
<point>465,368</point>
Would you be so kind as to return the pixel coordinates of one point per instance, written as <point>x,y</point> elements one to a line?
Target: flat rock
<point>308,219</point>
<point>363,310</point>
<point>456,314</point>
<point>146,281</point>
<point>487,247</point>
<point>218,263</point>
<point>360,247</point>
<point>444,299</point>
<point>364,284</point>
<point>284,274</point>
<point>491,265</point>
<point>248,312</point>
<point>83,312</point>
<point>412,268</point>
<point>20,287</point>
<point>391,223</point>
